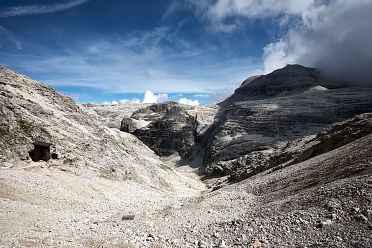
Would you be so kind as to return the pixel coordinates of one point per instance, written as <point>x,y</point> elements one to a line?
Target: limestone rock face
<point>289,79</point>
<point>31,111</point>
<point>112,115</point>
<point>249,129</point>
<point>169,128</point>
<point>302,149</point>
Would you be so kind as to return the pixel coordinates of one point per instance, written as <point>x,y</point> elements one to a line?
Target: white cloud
<point>219,12</point>
<point>333,35</point>
<point>110,103</point>
<point>132,101</point>
<point>150,97</point>
<point>122,101</point>
<point>187,101</point>
<point>39,9</point>
<point>258,9</point>
<point>201,95</point>
<point>276,56</point>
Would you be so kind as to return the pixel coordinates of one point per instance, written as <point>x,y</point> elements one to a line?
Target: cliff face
<point>166,128</point>
<point>252,124</point>
<point>302,149</point>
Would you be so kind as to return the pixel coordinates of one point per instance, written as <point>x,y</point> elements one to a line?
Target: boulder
<point>128,125</point>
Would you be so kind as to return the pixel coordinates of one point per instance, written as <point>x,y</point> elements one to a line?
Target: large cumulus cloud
<point>333,35</point>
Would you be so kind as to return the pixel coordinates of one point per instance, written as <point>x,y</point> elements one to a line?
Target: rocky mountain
<point>31,112</point>
<point>100,175</point>
<point>255,122</point>
<point>169,127</point>
<point>282,170</point>
<point>264,115</point>
<point>112,115</point>
<point>290,79</point>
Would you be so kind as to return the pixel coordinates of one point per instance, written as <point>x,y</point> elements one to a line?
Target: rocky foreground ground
<point>108,189</point>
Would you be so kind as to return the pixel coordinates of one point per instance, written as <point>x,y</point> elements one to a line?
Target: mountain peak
<point>290,78</point>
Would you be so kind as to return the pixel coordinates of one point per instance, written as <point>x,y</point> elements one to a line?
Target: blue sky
<point>108,50</point>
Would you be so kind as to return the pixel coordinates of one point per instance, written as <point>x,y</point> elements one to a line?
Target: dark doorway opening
<point>41,151</point>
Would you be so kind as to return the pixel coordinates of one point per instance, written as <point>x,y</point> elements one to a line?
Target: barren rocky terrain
<point>289,168</point>
<point>99,170</point>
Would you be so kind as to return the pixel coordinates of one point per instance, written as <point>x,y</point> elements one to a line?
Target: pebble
<point>332,216</point>
<point>325,223</point>
<point>370,226</point>
<point>127,217</point>
<point>362,218</point>
<point>256,244</point>
<point>202,244</point>
<point>355,210</point>
<point>222,244</point>
<point>339,238</point>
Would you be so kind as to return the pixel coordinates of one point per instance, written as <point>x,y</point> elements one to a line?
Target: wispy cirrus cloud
<point>134,62</point>
<point>224,15</point>
<point>10,36</point>
<point>171,56</point>
<point>39,9</point>
<point>32,10</point>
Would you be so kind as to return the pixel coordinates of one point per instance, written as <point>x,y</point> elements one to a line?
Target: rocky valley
<point>286,161</point>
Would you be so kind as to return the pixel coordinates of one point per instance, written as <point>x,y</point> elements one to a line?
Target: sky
<point>191,51</point>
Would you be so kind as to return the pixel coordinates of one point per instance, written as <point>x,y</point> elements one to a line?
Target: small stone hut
<point>41,151</point>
